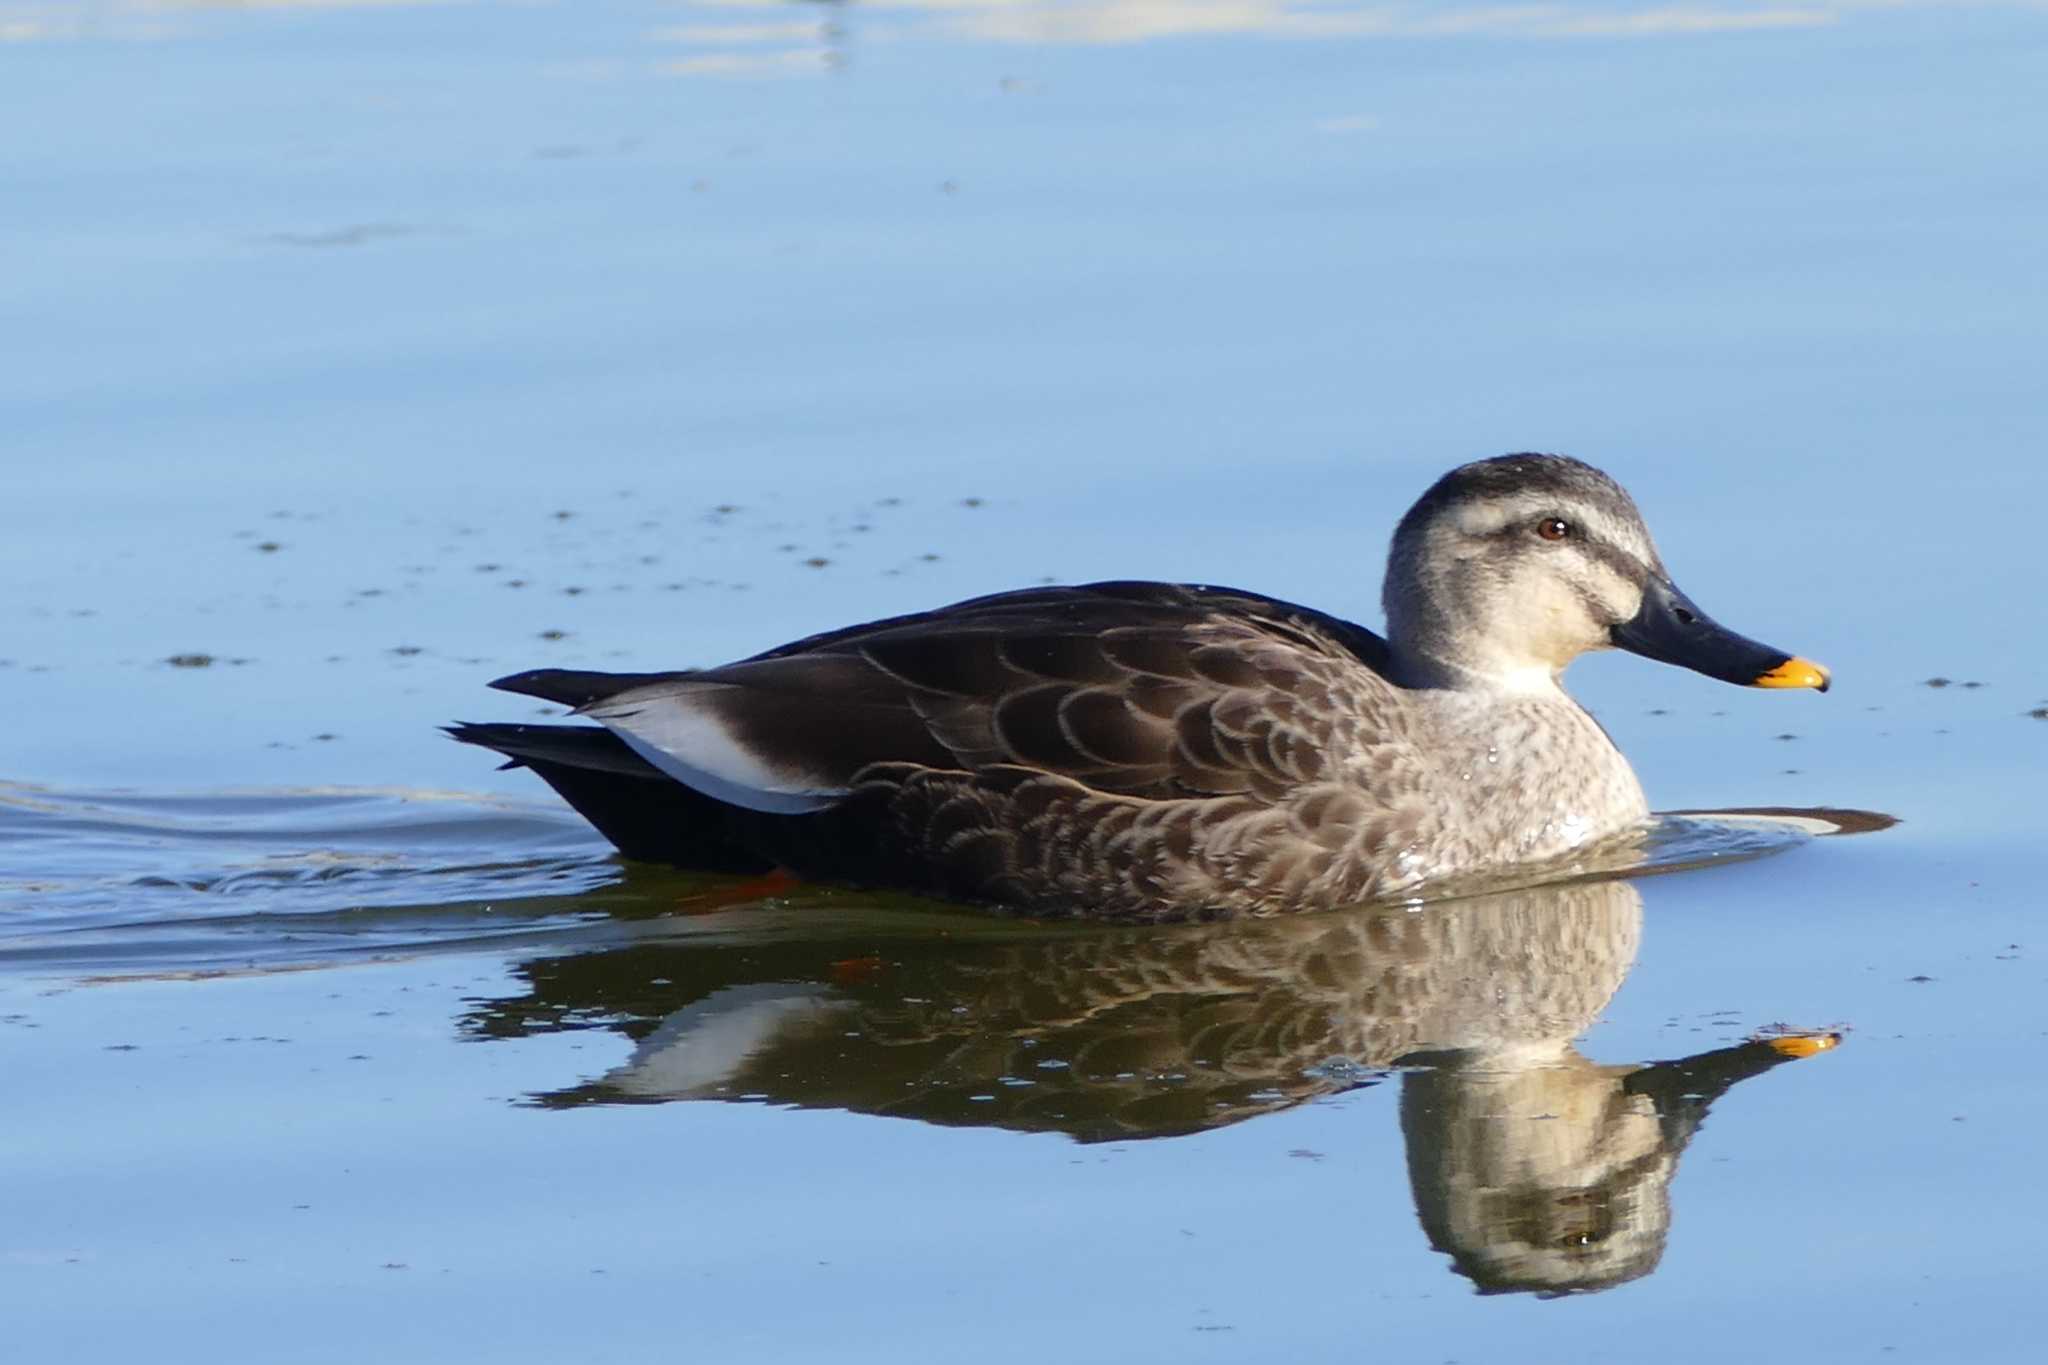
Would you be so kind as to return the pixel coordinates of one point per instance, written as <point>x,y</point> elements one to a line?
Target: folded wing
<point>1145,690</point>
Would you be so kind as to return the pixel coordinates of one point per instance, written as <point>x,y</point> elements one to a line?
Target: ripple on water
<point>111,877</point>
<point>138,882</point>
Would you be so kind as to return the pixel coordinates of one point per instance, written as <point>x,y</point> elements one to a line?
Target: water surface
<point>365,352</point>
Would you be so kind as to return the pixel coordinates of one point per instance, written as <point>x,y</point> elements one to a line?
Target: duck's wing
<point>1139,689</point>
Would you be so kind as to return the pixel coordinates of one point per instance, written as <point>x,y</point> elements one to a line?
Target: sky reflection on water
<point>773,22</point>
<point>373,351</point>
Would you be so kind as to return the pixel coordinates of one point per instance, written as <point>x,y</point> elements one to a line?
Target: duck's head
<point>1508,569</point>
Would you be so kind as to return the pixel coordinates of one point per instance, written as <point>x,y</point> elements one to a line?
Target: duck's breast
<point>1517,778</point>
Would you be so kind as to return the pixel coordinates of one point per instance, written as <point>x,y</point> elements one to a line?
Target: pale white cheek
<point>1556,623</point>
<point>1622,597</point>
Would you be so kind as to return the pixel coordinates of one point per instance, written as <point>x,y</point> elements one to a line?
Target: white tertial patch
<point>676,731</point>
<point>702,1047</point>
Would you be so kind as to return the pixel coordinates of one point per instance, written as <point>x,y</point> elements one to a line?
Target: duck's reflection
<point>1532,1167</point>
<point>1539,1170</point>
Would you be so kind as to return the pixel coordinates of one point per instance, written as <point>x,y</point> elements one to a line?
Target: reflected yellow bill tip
<point>1795,672</point>
<point>1803,1045</point>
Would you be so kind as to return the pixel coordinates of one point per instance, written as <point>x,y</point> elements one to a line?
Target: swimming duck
<point>1153,750</point>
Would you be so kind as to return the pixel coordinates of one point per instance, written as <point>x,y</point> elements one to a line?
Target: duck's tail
<point>646,814</point>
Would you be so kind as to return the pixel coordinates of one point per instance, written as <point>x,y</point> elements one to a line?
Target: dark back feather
<point>1141,689</point>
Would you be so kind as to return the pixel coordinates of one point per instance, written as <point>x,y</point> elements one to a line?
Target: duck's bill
<point>1670,629</point>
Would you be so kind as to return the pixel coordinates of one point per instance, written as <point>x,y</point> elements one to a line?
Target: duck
<point>1151,751</point>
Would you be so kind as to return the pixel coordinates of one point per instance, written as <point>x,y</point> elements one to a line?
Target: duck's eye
<point>1554,528</point>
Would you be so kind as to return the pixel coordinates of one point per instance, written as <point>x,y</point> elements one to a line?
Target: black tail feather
<point>575,686</point>
<point>647,815</point>
<point>574,746</point>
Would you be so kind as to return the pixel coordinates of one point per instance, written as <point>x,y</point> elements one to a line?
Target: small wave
<point>126,882</point>
<point>100,872</point>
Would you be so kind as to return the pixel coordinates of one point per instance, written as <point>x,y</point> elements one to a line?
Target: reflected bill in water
<point>1533,1168</point>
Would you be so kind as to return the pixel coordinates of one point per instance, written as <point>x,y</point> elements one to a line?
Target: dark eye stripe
<point>1621,561</point>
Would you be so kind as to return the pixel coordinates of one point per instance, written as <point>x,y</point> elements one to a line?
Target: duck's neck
<point>1459,671</point>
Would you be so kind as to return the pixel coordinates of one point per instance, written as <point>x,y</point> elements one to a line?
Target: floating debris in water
<point>191,661</point>
<point>355,234</point>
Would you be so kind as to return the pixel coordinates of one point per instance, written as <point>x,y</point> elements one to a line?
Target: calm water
<point>365,352</point>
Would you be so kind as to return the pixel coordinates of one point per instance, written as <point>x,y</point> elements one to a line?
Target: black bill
<point>1670,629</point>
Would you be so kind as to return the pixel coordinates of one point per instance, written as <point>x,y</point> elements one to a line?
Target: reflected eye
<point>1554,528</point>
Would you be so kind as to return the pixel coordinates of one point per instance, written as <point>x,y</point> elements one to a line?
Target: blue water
<point>363,353</point>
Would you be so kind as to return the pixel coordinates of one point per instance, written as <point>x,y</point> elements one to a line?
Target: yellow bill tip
<point>1803,1044</point>
<point>1795,672</point>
